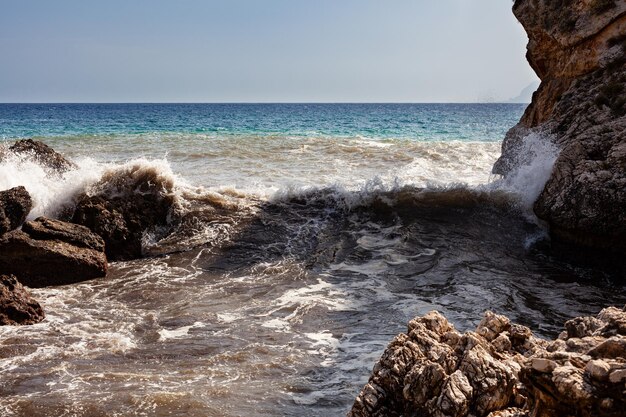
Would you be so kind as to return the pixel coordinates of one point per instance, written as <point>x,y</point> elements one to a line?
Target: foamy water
<point>299,260</point>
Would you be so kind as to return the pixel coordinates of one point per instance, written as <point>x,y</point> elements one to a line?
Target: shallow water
<point>298,260</point>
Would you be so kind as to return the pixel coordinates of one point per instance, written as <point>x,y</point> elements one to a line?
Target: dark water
<point>297,260</point>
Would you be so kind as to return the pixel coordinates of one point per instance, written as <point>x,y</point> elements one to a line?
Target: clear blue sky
<point>261,51</point>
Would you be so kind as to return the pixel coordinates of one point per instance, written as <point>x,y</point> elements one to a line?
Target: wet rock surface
<point>123,207</point>
<point>500,370</point>
<point>50,252</point>
<point>16,304</point>
<point>15,204</point>
<point>578,50</point>
<point>42,154</point>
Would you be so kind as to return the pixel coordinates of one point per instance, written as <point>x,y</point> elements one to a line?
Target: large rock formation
<point>16,304</point>
<point>125,205</point>
<point>500,370</point>
<point>15,204</point>
<point>50,252</point>
<point>578,49</point>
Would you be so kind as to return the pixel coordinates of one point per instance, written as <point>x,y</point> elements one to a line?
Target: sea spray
<point>527,179</point>
<point>50,191</point>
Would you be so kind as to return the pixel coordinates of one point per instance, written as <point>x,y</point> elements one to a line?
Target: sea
<point>312,234</point>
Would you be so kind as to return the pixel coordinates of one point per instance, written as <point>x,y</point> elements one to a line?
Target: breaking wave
<point>277,284</point>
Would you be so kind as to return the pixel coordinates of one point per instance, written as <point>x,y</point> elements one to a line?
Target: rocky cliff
<point>578,49</point>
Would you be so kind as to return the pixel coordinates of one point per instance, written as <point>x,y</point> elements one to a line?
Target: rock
<point>15,204</point>
<point>42,154</point>
<point>509,412</point>
<point>48,229</point>
<point>50,252</point>
<point>617,376</point>
<point>492,325</point>
<point>124,206</point>
<point>598,370</point>
<point>429,372</point>
<point>582,326</point>
<point>436,371</point>
<point>579,52</point>
<point>17,306</point>
<point>456,396</point>
<point>615,347</point>
<point>542,365</point>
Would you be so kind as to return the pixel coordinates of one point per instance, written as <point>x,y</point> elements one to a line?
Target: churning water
<point>312,234</point>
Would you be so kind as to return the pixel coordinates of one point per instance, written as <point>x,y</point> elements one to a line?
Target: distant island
<point>526,95</point>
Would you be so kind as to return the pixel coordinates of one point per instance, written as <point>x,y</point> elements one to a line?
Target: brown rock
<point>49,252</point>
<point>578,50</point>
<point>124,206</point>
<point>578,380</point>
<point>16,304</point>
<point>598,369</point>
<point>42,154</point>
<point>420,374</point>
<point>49,229</point>
<point>435,371</point>
<point>15,204</point>
<point>510,412</point>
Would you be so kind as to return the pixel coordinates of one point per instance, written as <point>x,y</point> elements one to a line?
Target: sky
<point>261,51</point>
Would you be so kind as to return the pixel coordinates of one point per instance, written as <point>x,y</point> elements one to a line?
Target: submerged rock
<point>500,370</point>
<point>578,50</point>
<point>42,154</point>
<point>50,252</point>
<point>15,204</point>
<point>125,205</point>
<point>17,306</point>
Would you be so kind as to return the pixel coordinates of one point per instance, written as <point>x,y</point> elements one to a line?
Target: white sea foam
<point>166,334</point>
<point>527,180</point>
<point>48,190</point>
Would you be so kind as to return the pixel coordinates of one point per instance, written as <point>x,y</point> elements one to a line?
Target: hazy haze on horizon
<point>253,51</point>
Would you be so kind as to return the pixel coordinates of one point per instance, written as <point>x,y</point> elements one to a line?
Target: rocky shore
<point>107,223</point>
<point>578,50</point>
<point>500,369</point>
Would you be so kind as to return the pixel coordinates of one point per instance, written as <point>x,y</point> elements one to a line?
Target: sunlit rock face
<point>578,49</point>
<point>500,370</point>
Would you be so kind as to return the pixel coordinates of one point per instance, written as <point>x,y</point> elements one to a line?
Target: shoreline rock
<point>17,306</point>
<point>15,204</point>
<point>578,50</point>
<point>501,369</point>
<point>124,206</point>
<point>42,154</point>
<point>50,252</point>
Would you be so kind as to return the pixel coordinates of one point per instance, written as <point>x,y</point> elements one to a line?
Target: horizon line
<point>261,102</point>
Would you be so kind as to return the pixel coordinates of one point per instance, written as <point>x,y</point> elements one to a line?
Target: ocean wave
<point>419,174</point>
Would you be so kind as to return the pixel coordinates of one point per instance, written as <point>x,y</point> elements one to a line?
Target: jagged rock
<point>123,206</point>
<point>509,412</point>
<point>578,384</point>
<point>50,252</point>
<point>42,154</point>
<point>578,49</point>
<point>17,306</point>
<point>433,370</point>
<point>15,204</point>
<point>436,371</point>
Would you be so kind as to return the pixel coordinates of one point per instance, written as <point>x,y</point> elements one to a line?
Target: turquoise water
<point>472,122</point>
